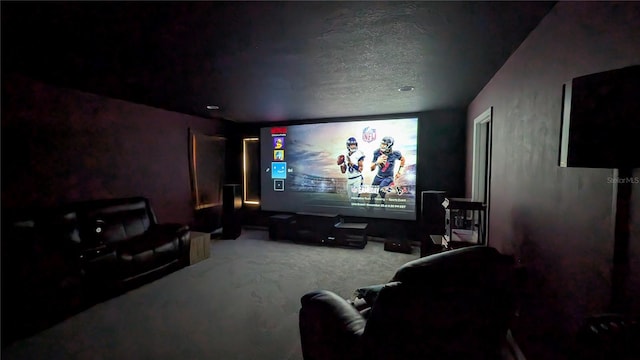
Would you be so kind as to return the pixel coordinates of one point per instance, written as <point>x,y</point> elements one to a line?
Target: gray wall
<point>557,221</point>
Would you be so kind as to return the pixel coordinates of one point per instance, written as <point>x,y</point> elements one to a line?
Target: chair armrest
<point>180,231</point>
<point>368,294</point>
<point>172,227</point>
<point>330,328</point>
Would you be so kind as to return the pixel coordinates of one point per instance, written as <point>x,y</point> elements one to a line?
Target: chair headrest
<point>459,264</point>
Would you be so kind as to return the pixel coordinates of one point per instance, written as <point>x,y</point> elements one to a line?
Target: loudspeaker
<point>231,207</point>
<point>281,226</point>
<point>432,213</point>
<point>397,245</point>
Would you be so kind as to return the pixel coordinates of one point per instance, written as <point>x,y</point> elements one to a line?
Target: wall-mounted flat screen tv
<point>601,120</point>
<point>364,168</point>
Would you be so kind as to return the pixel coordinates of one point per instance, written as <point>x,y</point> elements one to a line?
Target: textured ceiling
<point>269,61</point>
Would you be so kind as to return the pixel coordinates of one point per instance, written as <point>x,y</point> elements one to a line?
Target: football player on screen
<point>352,164</point>
<point>384,159</point>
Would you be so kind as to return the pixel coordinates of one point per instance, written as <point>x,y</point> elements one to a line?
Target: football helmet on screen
<point>386,145</point>
<point>352,141</point>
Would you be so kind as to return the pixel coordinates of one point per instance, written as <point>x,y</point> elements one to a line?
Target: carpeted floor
<point>241,303</point>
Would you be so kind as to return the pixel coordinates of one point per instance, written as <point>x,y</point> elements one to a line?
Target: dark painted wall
<point>557,221</point>
<point>61,145</point>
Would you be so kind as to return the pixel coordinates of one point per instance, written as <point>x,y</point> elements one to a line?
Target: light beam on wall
<point>245,161</point>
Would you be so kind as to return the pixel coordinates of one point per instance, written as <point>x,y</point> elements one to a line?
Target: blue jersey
<point>386,170</point>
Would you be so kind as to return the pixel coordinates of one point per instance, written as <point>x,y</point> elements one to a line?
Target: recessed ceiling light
<point>213,107</point>
<point>406,88</point>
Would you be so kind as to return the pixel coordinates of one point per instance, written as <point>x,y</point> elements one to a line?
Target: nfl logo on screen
<point>368,134</point>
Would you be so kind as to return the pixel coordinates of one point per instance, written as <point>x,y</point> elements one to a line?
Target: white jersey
<point>353,158</point>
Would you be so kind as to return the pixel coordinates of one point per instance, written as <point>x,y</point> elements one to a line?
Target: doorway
<point>481,170</point>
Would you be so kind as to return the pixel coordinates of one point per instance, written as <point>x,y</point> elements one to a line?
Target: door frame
<point>481,167</point>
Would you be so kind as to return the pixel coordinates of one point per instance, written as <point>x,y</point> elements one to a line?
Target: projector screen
<point>358,168</point>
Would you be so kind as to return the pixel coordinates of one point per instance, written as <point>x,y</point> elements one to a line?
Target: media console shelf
<point>315,227</point>
<point>465,221</point>
<point>351,234</point>
<point>319,228</point>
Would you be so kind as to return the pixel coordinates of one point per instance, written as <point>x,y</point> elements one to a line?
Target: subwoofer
<point>431,221</point>
<point>432,213</point>
<point>231,207</point>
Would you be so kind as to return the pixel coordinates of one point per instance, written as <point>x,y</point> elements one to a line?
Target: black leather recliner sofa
<point>56,262</point>
<point>456,304</point>
<point>120,241</point>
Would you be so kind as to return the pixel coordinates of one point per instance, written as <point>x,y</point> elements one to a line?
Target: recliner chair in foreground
<point>456,304</point>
